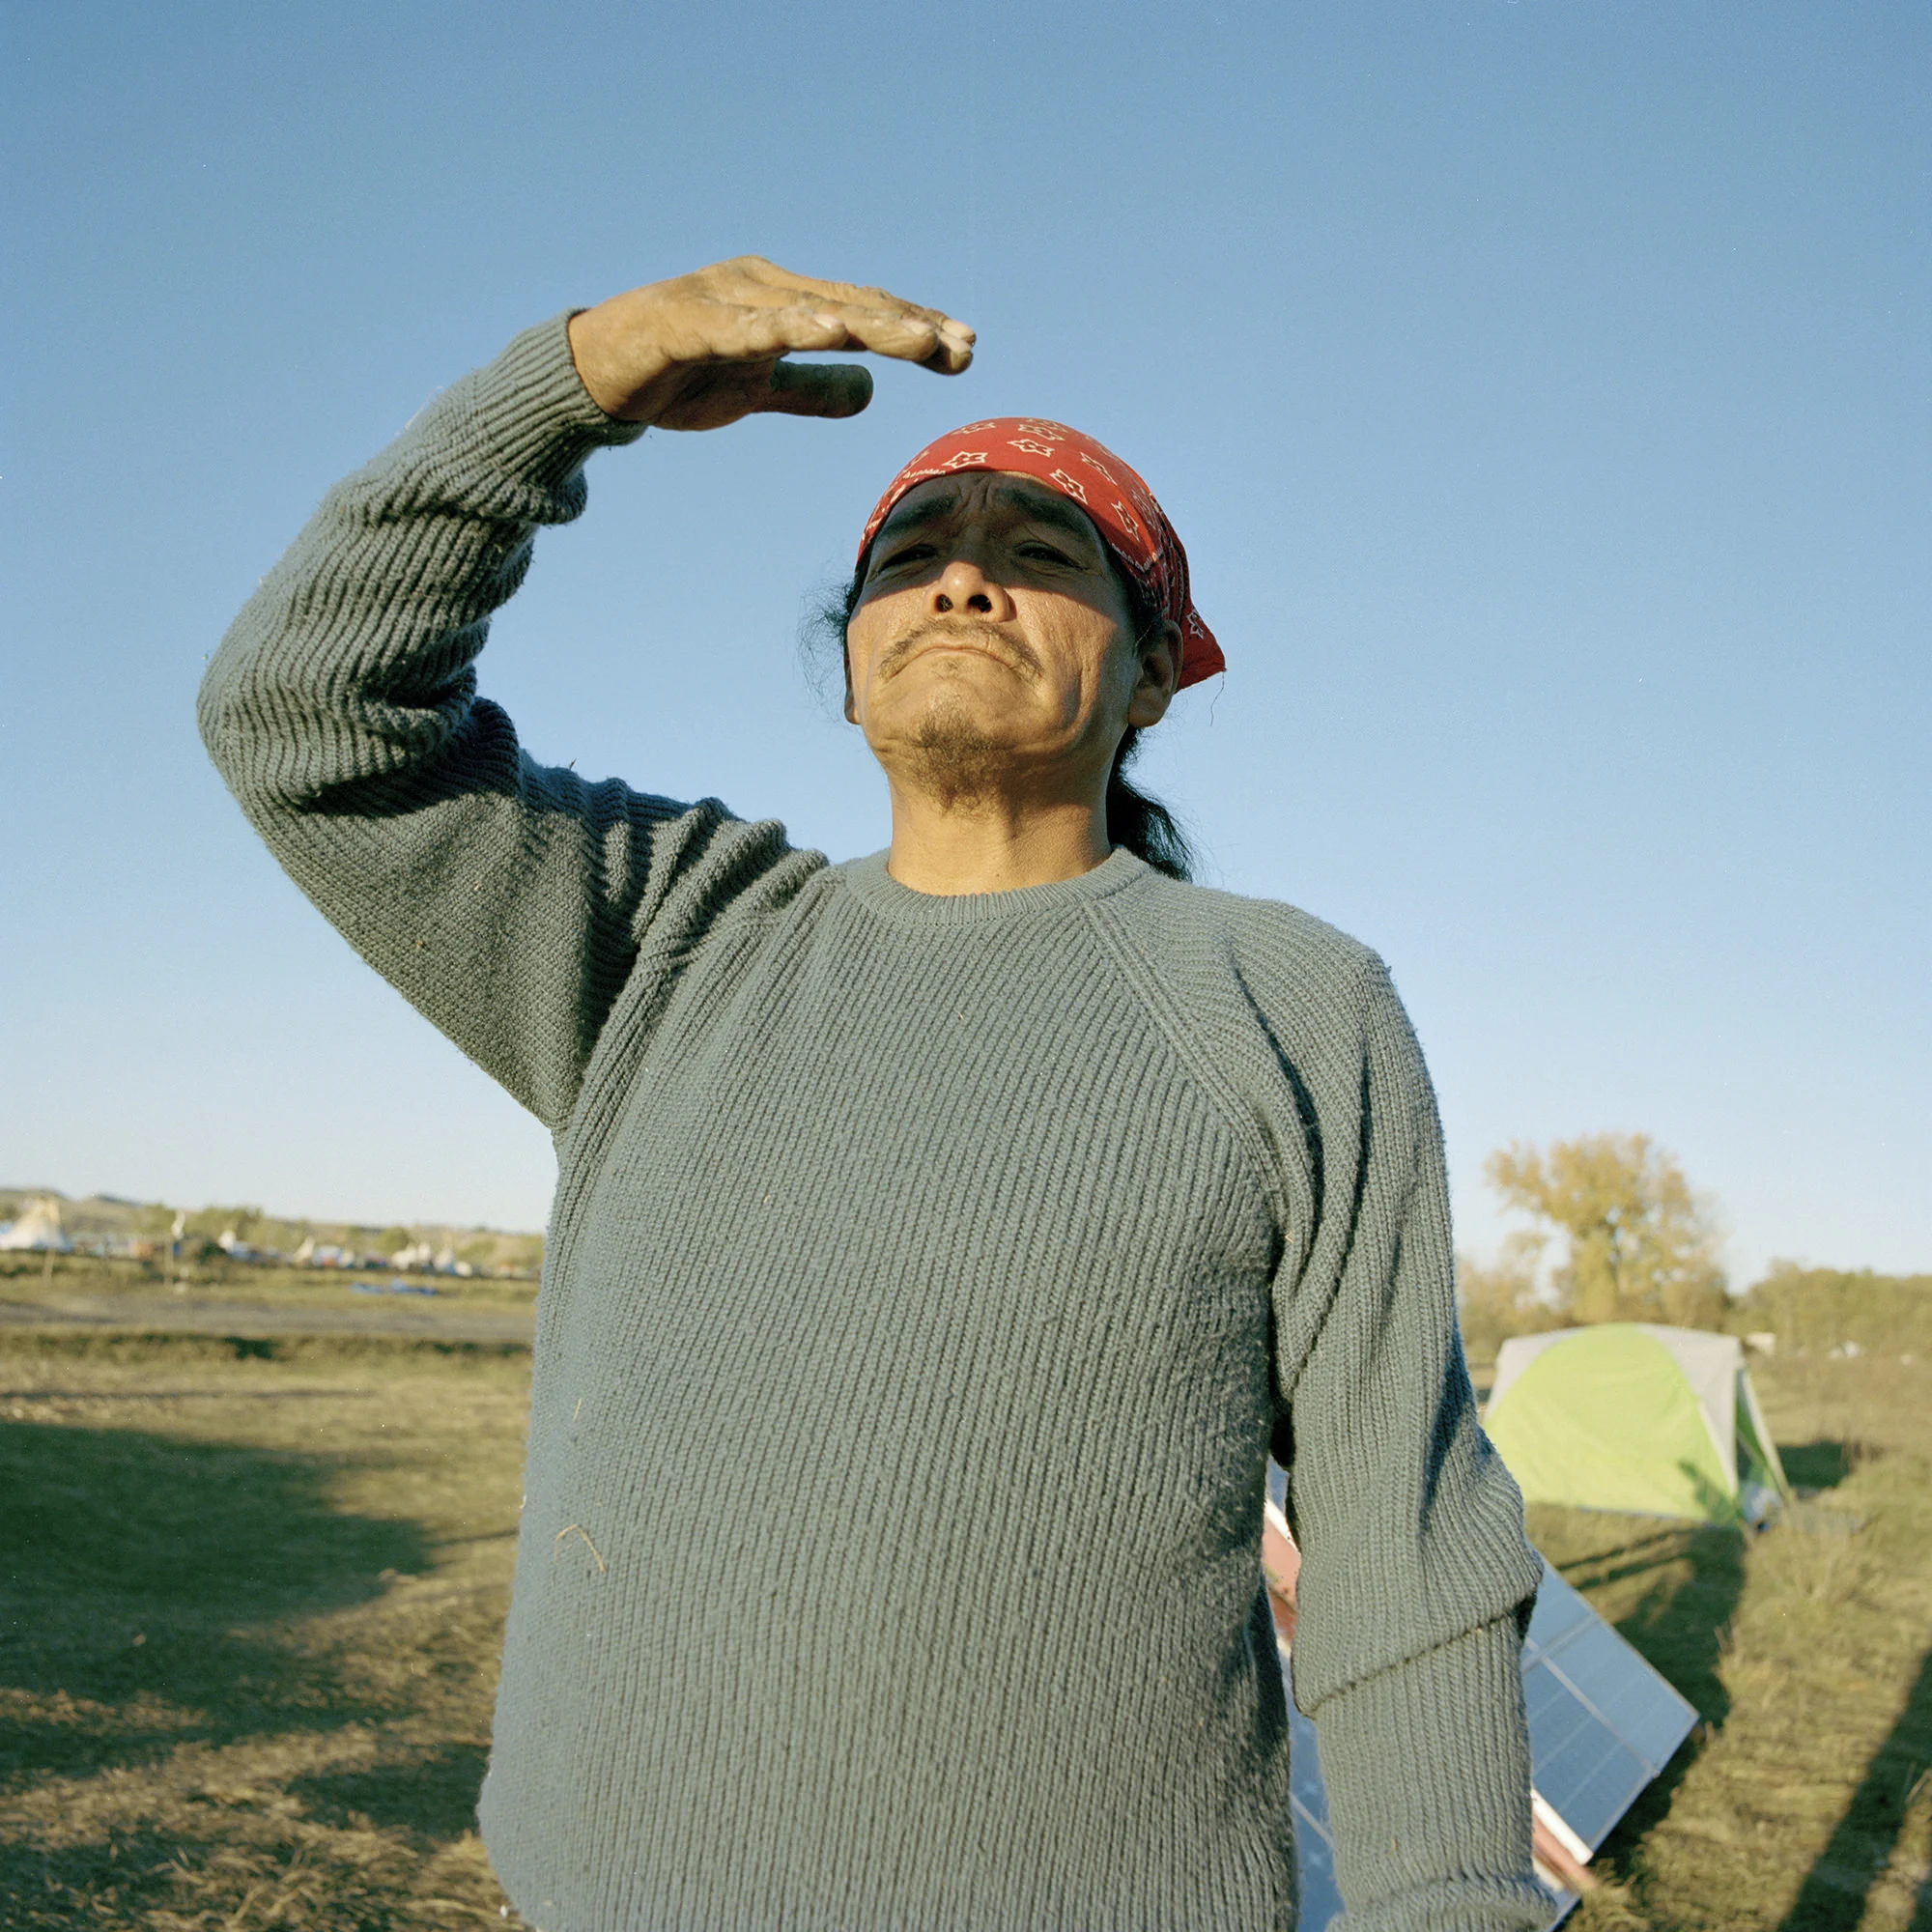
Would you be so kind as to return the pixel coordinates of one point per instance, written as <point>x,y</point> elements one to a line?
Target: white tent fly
<point>40,1227</point>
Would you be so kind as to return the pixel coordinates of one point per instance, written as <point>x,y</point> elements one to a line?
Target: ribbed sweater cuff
<point>529,412</point>
<point>1426,1767</point>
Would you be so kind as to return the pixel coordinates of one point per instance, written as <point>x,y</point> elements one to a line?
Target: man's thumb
<point>819,388</point>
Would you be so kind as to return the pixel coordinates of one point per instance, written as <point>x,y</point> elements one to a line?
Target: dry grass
<point>248,1626</point>
<point>48,1280</point>
<point>251,1599</point>
<point>1804,1802</point>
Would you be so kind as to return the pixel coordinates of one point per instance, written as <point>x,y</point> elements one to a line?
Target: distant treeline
<point>1813,1311</point>
<point>1810,1311</point>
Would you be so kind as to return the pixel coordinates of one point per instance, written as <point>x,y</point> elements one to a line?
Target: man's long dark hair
<point>1142,824</point>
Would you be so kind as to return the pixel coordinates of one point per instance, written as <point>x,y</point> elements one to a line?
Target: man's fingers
<point>818,389</point>
<point>777,331</point>
<point>912,337</point>
<point>740,334</point>
<point>696,352</point>
<point>801,291</point>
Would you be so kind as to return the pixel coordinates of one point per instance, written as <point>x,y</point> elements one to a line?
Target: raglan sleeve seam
<point>1163,1007</point>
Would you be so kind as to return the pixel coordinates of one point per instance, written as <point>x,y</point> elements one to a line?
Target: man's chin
<point>956,749</point>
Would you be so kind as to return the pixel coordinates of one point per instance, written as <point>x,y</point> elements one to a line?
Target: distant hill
<point>110,1218</point>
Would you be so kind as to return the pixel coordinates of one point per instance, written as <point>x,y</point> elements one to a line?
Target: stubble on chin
<point>950,757</point>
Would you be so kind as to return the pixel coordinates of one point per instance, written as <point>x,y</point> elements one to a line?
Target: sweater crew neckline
<point>874,887</point>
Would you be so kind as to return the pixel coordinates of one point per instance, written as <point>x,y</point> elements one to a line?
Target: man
<point>941,1240</point>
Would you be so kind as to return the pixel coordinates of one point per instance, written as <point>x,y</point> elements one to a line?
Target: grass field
<point>251,1596</point>
<point>248,1623</point>
<point>48,1282</point>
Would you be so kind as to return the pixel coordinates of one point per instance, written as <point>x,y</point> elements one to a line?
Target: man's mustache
<point>1008,647</point>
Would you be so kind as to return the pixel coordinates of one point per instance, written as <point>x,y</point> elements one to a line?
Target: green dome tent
<point>1627,1416</point>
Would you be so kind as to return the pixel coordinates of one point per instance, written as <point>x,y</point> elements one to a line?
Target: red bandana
<point>1120,506</point>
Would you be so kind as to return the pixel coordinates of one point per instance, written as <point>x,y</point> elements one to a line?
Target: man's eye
<point>1046,553</point>
<point>919,552</point>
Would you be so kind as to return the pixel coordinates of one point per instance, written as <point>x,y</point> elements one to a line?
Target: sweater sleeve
<point>506,899</point>
<point>1416,1577</point>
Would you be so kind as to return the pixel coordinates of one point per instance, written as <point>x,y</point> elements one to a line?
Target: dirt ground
<point>251,1590</point>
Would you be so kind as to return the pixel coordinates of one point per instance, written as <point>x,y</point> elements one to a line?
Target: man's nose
<point>964,586</point>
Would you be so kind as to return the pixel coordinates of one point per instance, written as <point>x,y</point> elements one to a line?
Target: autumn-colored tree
<point>1640,1247</point>
<point>1499,1299</point>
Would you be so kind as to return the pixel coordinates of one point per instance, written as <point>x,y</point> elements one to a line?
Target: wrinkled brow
<point>931,509</point>
<point>1039,506</point>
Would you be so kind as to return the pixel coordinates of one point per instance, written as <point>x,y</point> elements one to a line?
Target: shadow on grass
<point>1832,1897</point>
<point>140,1581</point>
<point>435,1795</point>
<point>39,1888</point>
<point>1815,1465</point>
<point>1678,1624</point>
<point>143,1876</point>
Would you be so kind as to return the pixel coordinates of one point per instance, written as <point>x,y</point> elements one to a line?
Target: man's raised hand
<point>708,347</point>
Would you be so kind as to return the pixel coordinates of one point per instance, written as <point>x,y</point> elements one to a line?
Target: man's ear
<point>1159,666</point>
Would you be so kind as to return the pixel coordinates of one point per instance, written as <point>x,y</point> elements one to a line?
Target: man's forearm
<point>353,655</point>
<point>1416,1567</point>
<point>341,710</point>
<point>1427,1773</point>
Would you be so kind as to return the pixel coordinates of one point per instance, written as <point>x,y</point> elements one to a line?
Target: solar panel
<point>1313,1847</point>
<point>1602,1724</point>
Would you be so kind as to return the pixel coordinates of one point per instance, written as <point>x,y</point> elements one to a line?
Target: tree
<point>1810,1308</point>
<point>1498,1300</point>
<point>1640,1245</point>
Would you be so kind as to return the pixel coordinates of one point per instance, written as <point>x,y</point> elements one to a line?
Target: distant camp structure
<point>1628,1416</point>
<point>39,1226</point>
<point>111,1228</point>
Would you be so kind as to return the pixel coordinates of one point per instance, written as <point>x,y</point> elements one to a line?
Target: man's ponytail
<point>1142,824</point>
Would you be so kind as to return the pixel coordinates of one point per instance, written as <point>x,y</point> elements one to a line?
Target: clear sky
<point>1542,390</point>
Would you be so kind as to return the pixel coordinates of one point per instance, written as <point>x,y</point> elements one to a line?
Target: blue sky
<point>1542,390</point>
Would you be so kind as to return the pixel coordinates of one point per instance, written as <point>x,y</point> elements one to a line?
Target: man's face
<point>991,644</point>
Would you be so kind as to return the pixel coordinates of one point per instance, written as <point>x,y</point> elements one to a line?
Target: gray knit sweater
<point>928,1281</point>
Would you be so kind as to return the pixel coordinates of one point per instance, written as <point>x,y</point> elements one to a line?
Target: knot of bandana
<point>1120,505</point>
